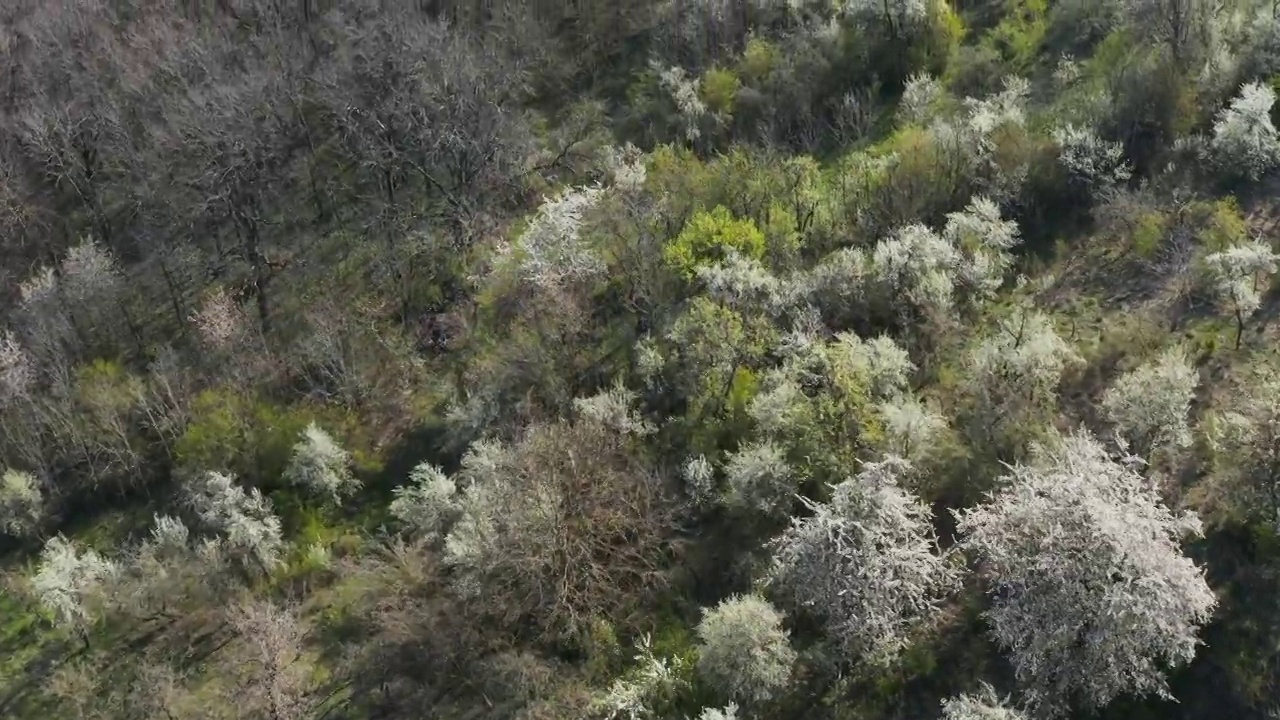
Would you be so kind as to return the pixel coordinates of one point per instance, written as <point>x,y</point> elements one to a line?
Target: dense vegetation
<point>639,359</point>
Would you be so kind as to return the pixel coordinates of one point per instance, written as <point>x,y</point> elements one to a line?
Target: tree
<point>551,251</point>
<point>565,525</point>
<point>883,364</point>
<point>21,503</point>
<point>1237,276</point>
<point>983,705</point>
<point>1245,435</point>
<point>1150,403</point>
<point>866,564</point>
<point>1093,164</point>
<point>428,505</point>
<point>278,683</point>
<point>1245,142</point>
<point>1014,374</point>
<point>1091,595</point>
<point>744,652</point>
<point>321,466</point>
<point>246,521</point>
<point>68,583</point>
<point>760,480</point>
<point>910,428</point>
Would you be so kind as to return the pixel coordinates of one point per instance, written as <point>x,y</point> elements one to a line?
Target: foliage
<point>709,236</point>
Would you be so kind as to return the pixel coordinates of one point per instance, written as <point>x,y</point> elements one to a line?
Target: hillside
<point>639,360</point>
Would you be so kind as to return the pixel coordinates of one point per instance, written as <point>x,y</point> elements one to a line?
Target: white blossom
<point>918,265</point>
<point>1091,595</point>
<point>866,564</point>
<point>67,580</point>
<point>428,504</point>
<point>743,283</point>
<point>684,93</point>
<point>886,366</point>
<point>920,96</point>
<point>1150,404</point>
<point>1244,139</point>
<point>1024,357</point>
<point>220,321</point>
<point>21,503</point>
<point>89,272</point>
<point>246,521</point>
<point>1090,161</point>
<point>38,288</point>
<point>699,480</point>
<point>320,465</point>
<point>551,251</point>
<point>728,712</point>
<point>774,409</point>
<point>612,408</point>
<point>898,15</point>
<point>743,650</point>
<point>1238,275</point>
<point>983,705</point>
<point>910,427</point>
<point>633,696</point>
<point>760,479</point>
<point>983,240</point>
<point>17,371</point>
<point>626,167</point>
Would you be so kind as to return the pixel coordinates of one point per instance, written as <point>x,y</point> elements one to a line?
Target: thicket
<point>638,360</point>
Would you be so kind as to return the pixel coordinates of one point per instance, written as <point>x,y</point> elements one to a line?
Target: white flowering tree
<point>321,466</point>
<point>1092,163</point>
<point>1245,142</point>
<point>21,503</point>
<point>910,428</point>
<point>68,583</point>
<point>743,650</point>
<point>1091,594</point>
<point>982,705</point>
<point>918,266</point>
<point>984,240</point>
<point>684,92</point>
<point>760,480</point>
<point>866,564</point>
<point>551,252</point>
<point>428,504</point>
<point>1237,277</point>
<point>1014,374</point>
<point>882,363</point>
<point>1149,404</point>
<point>17,369</point>
<point>745,284</point>
<point>245,520</point>
<point>920,97</point>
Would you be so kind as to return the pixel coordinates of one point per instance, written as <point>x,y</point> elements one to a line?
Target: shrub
<point>744,653</point>
<point>709,236</point>
<point>321,466</point>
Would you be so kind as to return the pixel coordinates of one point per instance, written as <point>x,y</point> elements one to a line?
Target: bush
<point>744,652</point>
<point>709,236</point>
